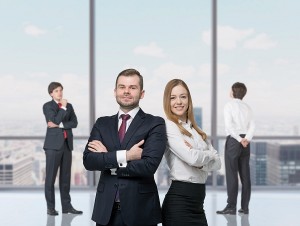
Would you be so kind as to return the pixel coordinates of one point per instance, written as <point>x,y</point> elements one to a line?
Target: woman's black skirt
<point>183,205</point>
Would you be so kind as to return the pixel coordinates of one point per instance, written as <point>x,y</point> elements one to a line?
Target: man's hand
<point>64,102</point>
<point>244,142</point>
<point>135,152</point>
<point>51,125</point>
<point>96,146</point>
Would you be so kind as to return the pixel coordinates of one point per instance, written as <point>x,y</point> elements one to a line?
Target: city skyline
<point>22,163</point>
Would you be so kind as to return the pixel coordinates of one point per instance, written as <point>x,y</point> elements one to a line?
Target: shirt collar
<point>237,100</point>
<point>188,123</point>
<point>132,113</point>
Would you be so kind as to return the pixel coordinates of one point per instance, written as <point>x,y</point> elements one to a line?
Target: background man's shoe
<point>243,211</point>
<point>52,212</point>
<point>227,210</point>
<point>72,211</point>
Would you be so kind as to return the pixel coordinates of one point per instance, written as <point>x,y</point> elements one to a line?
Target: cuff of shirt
<point>249,138</point>
<point>239,139</point>
<point>121,158</point>
<point>61,125</point>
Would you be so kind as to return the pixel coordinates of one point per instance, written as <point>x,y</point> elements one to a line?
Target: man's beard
<point>128,106</point>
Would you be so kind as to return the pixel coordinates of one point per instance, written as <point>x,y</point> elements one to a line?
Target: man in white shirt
<point>239,126</point>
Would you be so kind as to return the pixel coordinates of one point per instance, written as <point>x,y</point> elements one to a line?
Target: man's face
<point>57,94</point>
<point>128,92</point>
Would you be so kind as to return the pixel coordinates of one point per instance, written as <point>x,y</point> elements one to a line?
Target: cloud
<point>260,41</point>
<point>223,69</point>
<point>26,95</point>
<point>150,50</point>
<point>228,37</point>
<point>33,30</point>
<point>205,69</point>
<point>38,75</point>
<point>171,70</point>
<point>253,69</point>
<point>282,61</point>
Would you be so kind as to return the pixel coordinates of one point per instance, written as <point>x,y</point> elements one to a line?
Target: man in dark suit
<point>60,119</point>
<point>126,193</point>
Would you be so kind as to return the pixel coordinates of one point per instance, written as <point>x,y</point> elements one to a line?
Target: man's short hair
<point>239,90</point>
<point>53,85</point>
<point>131,72</point>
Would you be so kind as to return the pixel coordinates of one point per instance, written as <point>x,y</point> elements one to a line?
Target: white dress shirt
<point>121,154</point>
<point>238,118</point>
<point>189,164</point>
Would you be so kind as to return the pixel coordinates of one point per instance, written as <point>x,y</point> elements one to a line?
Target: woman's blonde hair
<point>190,113</point>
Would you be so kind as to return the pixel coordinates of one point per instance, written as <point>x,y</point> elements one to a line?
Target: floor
<point>267,208</point>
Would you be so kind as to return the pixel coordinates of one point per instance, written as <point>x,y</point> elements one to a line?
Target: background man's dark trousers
<point>237,163</point>
<point>61,159</point>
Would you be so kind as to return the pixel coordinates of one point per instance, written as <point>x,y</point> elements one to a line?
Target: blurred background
<point>85,44</point>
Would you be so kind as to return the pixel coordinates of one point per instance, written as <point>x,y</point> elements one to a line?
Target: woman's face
<point>179,102</point>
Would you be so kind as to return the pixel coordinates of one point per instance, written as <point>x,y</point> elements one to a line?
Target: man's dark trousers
<point>237,163</point>
<point>61,159</point>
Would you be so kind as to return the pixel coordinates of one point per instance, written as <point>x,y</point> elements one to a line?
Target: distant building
<point>16,168</point>
<point>283,165</point>
<point>198,116</point>
<point>258,163</point>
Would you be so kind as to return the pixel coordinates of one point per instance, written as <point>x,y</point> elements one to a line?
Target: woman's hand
<point>188,144</point>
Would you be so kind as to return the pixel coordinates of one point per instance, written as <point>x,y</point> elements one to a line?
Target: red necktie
<point>65,132</point>
<point>122,129</point>
<point>122,132</point>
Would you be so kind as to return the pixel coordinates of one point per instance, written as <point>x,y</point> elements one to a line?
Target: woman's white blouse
<point>189,164</point>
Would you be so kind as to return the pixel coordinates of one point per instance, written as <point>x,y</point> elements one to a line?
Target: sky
<point>45,41</point>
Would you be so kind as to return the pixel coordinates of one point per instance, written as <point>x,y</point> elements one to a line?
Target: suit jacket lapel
<point>135,124</point>
<point>55,105</point>
<point>114,129</point>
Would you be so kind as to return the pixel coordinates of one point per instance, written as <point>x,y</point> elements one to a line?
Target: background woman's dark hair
<point>53,85</point>
<point>239,90</point>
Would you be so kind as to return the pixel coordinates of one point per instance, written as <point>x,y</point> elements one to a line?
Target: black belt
<point>117,206</point>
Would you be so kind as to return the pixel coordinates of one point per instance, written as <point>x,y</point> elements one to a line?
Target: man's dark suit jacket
<point>54,136</point>
<point>139,198</point>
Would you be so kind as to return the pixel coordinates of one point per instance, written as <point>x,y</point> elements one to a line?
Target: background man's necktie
<point>122,132</point>
<point>65,132</point>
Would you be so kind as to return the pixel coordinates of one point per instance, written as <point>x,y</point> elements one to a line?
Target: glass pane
<point>259,45</point>
<point>22,163</point>
<point>272,162</point>
<point>163,40</point>
<point>42,42</point>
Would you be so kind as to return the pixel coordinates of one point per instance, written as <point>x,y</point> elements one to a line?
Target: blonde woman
<point>189,156</point>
